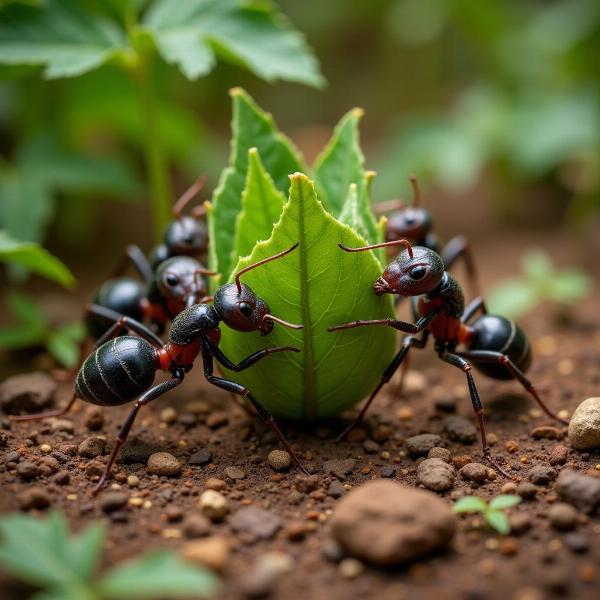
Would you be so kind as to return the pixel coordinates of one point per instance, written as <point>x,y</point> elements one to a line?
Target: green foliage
<point>540,281</point>
<point>492,512</point>
<point>43,554</point>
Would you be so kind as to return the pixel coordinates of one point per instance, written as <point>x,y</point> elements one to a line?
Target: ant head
<point>181,279</point>
<point>416,270</point>
<point>411,222</point>
<point>241,309</point>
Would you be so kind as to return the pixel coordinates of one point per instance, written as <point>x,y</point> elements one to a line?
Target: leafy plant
<point>317,285</point>
<point>43,554</point>
<point>70,38</point>
<point>540,282</point>
<point>492,512</point>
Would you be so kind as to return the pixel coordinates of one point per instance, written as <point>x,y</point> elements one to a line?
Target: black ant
<point>415,224</point>
<point>122,369</point>
<point>496,346</point>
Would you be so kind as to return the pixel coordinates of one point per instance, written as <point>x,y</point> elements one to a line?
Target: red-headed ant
<point>496,346</point>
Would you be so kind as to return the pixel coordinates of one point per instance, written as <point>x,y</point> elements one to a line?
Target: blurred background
<point>495,105</point>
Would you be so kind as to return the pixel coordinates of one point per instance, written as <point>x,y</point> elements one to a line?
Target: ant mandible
<point>496,346</point>
<point>414,223</point>
<point>122,369</point>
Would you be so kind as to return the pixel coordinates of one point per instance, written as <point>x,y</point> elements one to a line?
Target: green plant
<point>70,38</point>
<point>317,285</point>
<point>42,553</point>
<point>491,512</point>
<point>540,282</point>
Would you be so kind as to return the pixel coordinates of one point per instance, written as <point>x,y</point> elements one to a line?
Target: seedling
<point>43,554</point>
<point>492,512</point>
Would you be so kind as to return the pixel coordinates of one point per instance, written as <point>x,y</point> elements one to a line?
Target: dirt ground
<point>538,562</point>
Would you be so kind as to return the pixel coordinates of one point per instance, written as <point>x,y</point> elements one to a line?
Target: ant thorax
<point>451,294</point>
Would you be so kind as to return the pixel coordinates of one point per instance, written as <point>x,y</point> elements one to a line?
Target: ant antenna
<point>416,191</point>
<point>260,262</point>
<point>287,324</point>
<point>185,198</point>
<point>404,243</point>
<point>383,207</point>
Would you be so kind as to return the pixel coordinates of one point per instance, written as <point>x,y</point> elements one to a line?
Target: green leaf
<point>157,575</point>
<point>317,285</point>
<point>512,298</point>
<point>470,504</point>
<point>24,308</point>
<point>262,204</point>
<point>33,257</point>
<point>64,344</point>
<point>505,501</point>
<point>32,327</point>
<point>340,164</point>
<point>537,266</point>
<point>498,521</point>
<point>251,127</point>
<point>59,34</point>
<point>568,286</point>
<point>252,34</point>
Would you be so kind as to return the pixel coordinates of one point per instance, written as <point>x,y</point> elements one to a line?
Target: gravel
<point>213,505</point>
<point>542,474</point>
<point>280,460</point>
<point>91,447</point>
<point>563,516</point>
<point>420,445</point>
<point>582,491</point>
<point>340,468</point>
<point>435,474</point>
<point>475,472</point>
<point>163,463</point>
<point>584,426</point>
<point>259,523</point>
<point>460,429</point>
<point>31,392</point>
<point>200,458</point>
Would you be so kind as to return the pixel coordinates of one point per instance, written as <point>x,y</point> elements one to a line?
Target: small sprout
<point>491,512</point>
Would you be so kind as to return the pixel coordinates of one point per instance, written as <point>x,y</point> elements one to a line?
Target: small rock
<point>29,393</point>
<point>264,576</point>
<point>414,382</point>
<point>49,465</point>
<point>445,404</point>
<point>280,460</point>
<point>235,473</point>
<point>435,474</point>
<point>196,525</point>
<point>420,445</point>
<point>255,521</point>
<point>163,463</point>
<point>336,489</point>
<point>520,522</point>
<point>563,516</point>
<point>371,447</point>
<point>526,490</point>
<point>94,468</point>
<point>460,429</point>
<point>200,458</point>
<point>582,491</point>
<point>217,419</point>
<point>62,478</point>
<point>214,505</point>
<point>136,451</point>
<point>547,432</point>
<point>33,497</point>
<point>168,415</point>
<point>12,457</point>
<point>340,468</point>
<point>27,470</point>
<point>65,425</point>
<point>584,426</point>
<point>174,513</point>
<point>385,523</point>
<point>350,568</point>
<point>577,542</point>
<point>387,471</point>
<point>475,472</point>
<point>133,480</point>
<point>91,447</point>
<point>94,418</point>
<point>442,453</point>
<point>559,455</point>
<point>111,501</point>
<point>212,552</point>
<point>295,531</point>
<point>542,475</point>
<point>306,484</point>
<point>510,487</point>
<point>213,483</point>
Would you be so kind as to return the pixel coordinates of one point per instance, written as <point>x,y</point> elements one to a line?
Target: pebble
<point>306,484</point>
<point>542,474</point>
<point>33,497</point>
<point>336,489</point>
<point>420,445</point>
<point>460,429</point>
<point>214,505</point>
<point>12,457</point>
<point>27,470</point>
<point>295,531</point>
<point>217,420</point>
<point>526,490</point>
<point>94,418</point>
<point>137,451</point>
<point>212,552</point>
<point>174,513</point>
<point>266,573</point>
<point>547,432</point>
<point>435,474</point>
<point>111,501</point>
<point>475,472</point>
<point>442,453</point>
<point>510,487</point>
<point>257,522</point>
<point>62,478</point>
<point>213,483</point>
<point>48,465</point>
<point>582,491</point>
<point>559,455</point>
<point>280,460</point>
<point>563,516</point>
<point>385,523</point>
<point>195,525</point>
<point>133,480</point>
<point>168,415</point>
<point>200,458</point>
<point>30,393</point>
<point>371,447</point>
<point>91,447</point>
<point>339,468</point>
<point>350,568</point>
<point>94,468</point>
<point>520,522</point>
<point>584,426</point>
<point>387,471</point>
<point>414,382</point>
<point>577,542</point>
<point>65,425</point>
<point>445,403</point>
<point>163,463</point>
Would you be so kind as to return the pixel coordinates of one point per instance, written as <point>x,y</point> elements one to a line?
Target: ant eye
<point>245,308</point>
<point>172,280</point>
<point>418,273</point>
<point>409,220</point>
<point>188,239</point>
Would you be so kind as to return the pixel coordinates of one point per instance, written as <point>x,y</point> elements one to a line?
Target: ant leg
<point>138,259</point>
<point>249,360</point>
<point>121,323</point>
<point>498,357</point>
<point>458,361</point>
<point>236,388</point>
<point>407,343</point>
<point>151,394</point>
<point>412,328</point>
<point>45,415</point>
<point>472,308</point>
<point>459,247</point>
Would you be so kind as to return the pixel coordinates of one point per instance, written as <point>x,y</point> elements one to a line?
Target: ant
<point>415,224</point>
<point>496,346</point>
<point>122,369</point>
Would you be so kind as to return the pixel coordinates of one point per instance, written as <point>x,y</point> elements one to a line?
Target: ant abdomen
<point>498,334</point>
<point>117,372</point>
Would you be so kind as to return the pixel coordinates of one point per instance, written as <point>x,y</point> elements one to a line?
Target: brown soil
<point>480,564</point>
